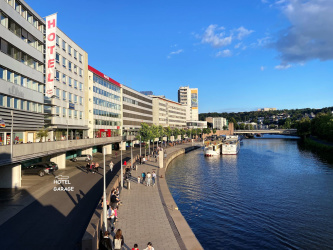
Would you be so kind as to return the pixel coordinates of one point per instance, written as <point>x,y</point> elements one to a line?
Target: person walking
<point>111,215</point>
<point>118,240</point>
<point>149,246</point>
<point>111,166</point>
<point>143,175</point>
<point>105,242</point>
<point>154,178</point>
<point>148,179</point>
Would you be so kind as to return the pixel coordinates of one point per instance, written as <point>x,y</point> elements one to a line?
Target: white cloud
<point>309,36</point>
<point>216,39</point>
<point>262,68</point>
<point>224,53</point>
<point>238,45</point>
<point>175,53</point>
<point>243,32</point>
<point>283,66</point>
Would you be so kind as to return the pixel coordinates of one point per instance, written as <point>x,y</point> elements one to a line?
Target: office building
<point>168,113</point>
<point>220,123</point>
<point>189,98</point>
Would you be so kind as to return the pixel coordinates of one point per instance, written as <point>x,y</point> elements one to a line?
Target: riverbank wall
<point>182,231</point>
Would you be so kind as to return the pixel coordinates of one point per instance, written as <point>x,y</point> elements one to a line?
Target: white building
<point>196,124</point>
<point>168,113</point>
<point>189,98</point>
<point>219,123</point>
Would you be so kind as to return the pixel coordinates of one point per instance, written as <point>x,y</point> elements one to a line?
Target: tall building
<point>137,109</point>
<point>168,113</point>
<point>71,67</point>
<point>189,98</point>
<point>21,72</point>
<point>219,123</point>
<point>104,106</point>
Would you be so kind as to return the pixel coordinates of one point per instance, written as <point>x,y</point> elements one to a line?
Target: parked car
<point>53,166</point>
<point>38,168</point>
<point>82,158</point>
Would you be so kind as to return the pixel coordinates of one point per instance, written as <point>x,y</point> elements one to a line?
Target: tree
<point>304,127</point>
<point>214,130</point>
<point>242,126</point>
<point>167,131</point>
<point>176,132</point>
<point>247,127</point>
<point>225,127</point>
<point>43,132</point>
<point>188,133</point>
<point>182,133</point>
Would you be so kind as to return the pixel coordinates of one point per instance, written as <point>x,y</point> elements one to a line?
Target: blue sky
<point>240,54</point>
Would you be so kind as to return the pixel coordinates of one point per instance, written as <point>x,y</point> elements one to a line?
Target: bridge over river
<point>268,131</point>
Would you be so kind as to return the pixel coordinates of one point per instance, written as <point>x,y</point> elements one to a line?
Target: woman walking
<point>118,240</point>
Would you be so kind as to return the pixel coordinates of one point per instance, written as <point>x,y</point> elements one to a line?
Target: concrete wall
<point>60,159</point>
<point>10,176</point>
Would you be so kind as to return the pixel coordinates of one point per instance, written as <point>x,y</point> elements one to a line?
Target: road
<point>58,219</point>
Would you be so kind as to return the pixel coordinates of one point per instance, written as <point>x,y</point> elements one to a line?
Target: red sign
<point>103,76</point>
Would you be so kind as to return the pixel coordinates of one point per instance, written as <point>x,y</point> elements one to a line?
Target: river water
<point>272,195</point>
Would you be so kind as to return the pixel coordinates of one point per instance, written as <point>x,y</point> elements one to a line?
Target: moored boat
<point>231,145</point>
<point>213,149</point>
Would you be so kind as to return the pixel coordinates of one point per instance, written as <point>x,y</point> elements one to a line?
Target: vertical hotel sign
<point>51,28</point>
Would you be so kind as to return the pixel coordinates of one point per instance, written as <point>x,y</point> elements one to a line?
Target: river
<point>272,195</point>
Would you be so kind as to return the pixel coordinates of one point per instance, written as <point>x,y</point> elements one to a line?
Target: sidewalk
<point>142,217</point>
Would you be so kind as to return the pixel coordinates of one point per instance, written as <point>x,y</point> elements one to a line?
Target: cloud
<point>283,66</point>
<point>309,35</point>
<point>242,32</point>
<point>237,45</point>
<point>216,39</point>
<point>175,53</point>
<point>224,53</point>
<point>262,68</point>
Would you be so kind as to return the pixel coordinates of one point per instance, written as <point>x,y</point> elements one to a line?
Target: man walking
<point>111,166</point>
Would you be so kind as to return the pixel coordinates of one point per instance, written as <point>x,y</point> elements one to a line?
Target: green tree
<point>43,133</point>
<point>242,126</point>
<point>225,127</point>
<point>214,130</point>
<point>247,127</point>
<point>304,127</point>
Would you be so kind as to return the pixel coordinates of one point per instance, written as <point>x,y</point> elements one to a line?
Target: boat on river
<point>231,145</point>
<point>212,148</point>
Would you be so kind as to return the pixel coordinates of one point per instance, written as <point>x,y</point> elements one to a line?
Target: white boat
<point>231,145</point>
<point>213,149</point>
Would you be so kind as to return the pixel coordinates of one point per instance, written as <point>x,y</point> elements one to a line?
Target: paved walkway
<point>142,217</point>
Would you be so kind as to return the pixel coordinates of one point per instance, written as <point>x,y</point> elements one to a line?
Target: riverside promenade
<point>149,213</point>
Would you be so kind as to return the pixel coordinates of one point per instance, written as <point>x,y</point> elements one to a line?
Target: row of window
<point>67,48</point>
<point>71,113</point>
<point>27,15</point>
<point>20,32</point>
<point>68,80</point>
<point>106,83</point>
<point>71,97</point>
<point>20,56</point>
<point>68,64</point>
<point>11,102</point>
<point>106,94</point>
<point>109,123</point>
<point>107,104</point>
<point>131,101</point>
<point>106,113</point>
<point>8,75</point>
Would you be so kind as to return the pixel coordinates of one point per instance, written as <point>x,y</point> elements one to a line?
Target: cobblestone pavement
<point>142,217</point>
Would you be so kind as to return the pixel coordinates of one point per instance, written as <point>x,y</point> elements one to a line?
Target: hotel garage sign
<point>51,28</point>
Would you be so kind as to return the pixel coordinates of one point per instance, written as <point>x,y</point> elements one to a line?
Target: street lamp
<point>11,134</point>
<point>140,146</point>
<point>132,154</point>
<point>104,195</point>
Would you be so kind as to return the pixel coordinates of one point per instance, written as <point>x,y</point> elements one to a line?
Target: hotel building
<point>189,98</point>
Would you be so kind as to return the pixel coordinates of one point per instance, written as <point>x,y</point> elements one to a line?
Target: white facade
<point>219,123</point>
<point>168,113</point>
<point>189,98</point>
<point>68,103</point>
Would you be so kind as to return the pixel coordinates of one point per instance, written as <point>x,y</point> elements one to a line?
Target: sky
<point>241,54</point>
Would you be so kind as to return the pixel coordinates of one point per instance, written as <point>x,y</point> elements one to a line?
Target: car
<point>82,158</point>
<point>53,166</point>
<point>38,168</point>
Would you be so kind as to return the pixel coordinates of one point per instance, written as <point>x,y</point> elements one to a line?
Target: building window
<point>81,115</point>
<point>58,93</point>
<point>63,45</point>
<point>23,103</point>
<point>57,40</point>
<point>57,75</point>
<point>69,66</point>
<point>9,102</point>
<point>64,62</point>
<point>75,54</point>
<point>2,100</point>
<point>81,86</point>
<point>63,112</point>
<point>80,58</point>
<point>57,58</point>
<point>80,71</point>
<point>75,114</point>
<point>57,111</point>
<point>64,95</point>
<point>75,84</point>
<point>70,113</point>
<point>69,50</point>
<point>81,100</point>
<point>4,20</point>
<point>64,78</point>
<point>70,81</point>
<point>70,97</point>
<point>75,69</point>
<point>75,98</point>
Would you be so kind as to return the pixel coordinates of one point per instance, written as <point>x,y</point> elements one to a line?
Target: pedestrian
<point>135,247</point>
<point>139,179</point>
<point>88,167</point>
<point>149,246</point>
<point>140,160</point>
<point>96,166</point>
<point>118,240</point>
<point>105,242</point>
<point>154,178</point>
<point>148,179</point>
<point>143,175</point>
<point>114,200</point>
<point>92,167</point>
<point>111,215</point>
<point>111,166</point>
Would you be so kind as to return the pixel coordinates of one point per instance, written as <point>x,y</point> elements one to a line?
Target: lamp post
<point>121,165</point>
<point>11,134</point>
<point>140,145</point>
<point>104,196</point>
<point>132,154</point>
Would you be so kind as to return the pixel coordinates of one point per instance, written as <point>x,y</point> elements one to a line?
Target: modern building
<point>71,70</point>
<point>137,109</point>
<point>21,72</point>
<point>168,113</point>
<point>104,106</point>
<point>219,123</point>
<point>196,124</point>
<point>189,98</point>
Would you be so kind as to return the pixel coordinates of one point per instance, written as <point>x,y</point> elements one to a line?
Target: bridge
<point>268,131</point>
